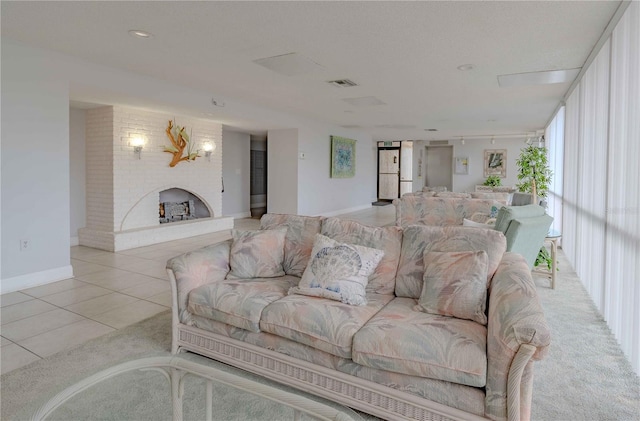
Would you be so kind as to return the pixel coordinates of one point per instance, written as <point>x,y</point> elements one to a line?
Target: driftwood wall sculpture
<point>180,141</point>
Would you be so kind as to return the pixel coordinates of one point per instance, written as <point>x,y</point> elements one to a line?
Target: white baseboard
<point>342,211</point>
<point>240,215</point>
<point>35,279</point>
<point>75,241</point>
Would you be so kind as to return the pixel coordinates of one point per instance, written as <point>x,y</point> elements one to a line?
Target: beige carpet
<point>584,377</point>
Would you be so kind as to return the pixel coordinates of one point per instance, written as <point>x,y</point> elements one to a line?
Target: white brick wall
<point>123,192</point>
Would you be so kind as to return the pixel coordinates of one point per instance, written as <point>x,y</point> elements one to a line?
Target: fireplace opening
<point>180,205</point>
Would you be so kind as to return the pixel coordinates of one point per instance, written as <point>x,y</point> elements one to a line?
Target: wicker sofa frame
<point>364,395</point>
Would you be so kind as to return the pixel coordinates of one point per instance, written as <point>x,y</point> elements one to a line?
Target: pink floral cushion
<point>257,254</point>
<point>301,233</point>
<point>387,239</point>
<point>338,271</point>
<point>455,284</point>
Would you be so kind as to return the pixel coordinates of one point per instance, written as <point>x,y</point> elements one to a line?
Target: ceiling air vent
<point>342,83</point>
<point>438,142</point>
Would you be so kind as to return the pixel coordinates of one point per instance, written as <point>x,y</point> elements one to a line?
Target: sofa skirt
<point>450,400</point>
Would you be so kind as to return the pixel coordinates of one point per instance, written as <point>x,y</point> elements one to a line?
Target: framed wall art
<point>343,157</point>
<point>495,162</point>
<point>461,165</point>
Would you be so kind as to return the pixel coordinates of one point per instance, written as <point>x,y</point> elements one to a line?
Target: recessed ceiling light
<point>465,67</point>
<point>138,33</point>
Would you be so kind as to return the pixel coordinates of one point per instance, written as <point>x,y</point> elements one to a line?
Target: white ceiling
<point>405,54</point>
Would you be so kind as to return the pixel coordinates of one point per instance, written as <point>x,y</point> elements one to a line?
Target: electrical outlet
<point>25,245</point>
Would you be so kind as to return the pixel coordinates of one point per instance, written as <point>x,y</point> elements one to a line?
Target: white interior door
<point>439,167</point>
<point>388,174</point>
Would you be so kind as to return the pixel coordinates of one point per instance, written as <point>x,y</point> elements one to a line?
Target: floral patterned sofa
<point>441,211</point>
<point>416,343</point>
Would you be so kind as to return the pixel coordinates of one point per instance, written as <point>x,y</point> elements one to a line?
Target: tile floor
<point>109,291</point>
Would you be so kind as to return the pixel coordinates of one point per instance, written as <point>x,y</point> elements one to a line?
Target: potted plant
<point>534,175</point>
<point>493,181</point>
<point>533,171</point>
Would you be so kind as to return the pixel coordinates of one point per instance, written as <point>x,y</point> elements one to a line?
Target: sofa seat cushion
<point>402,340</point>
<point>323,324</point>
<point>239,302</point>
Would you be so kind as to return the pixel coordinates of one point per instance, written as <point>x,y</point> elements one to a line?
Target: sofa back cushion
<point>417,239</point>
<point>504,198</point>
<point>298,242</point>
<point>459,195</point>
<point>387,239</point>
<point>439,211</point>
<point>257,254</point>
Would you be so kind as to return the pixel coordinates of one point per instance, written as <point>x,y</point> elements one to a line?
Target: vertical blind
<point>601,186</point>
<point>554,141</point>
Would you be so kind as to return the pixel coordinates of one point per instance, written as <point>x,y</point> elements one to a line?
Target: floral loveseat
<point>413,347</point>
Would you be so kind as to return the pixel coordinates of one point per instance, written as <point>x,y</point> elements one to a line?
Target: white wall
<point>236,173</point>
<point>474,150</point>
<point>77,168</point>
<point>37,86</point>
<point>318,193</point>
<point>123,191</point>
<point>35,168</point>
<point>282,171</point>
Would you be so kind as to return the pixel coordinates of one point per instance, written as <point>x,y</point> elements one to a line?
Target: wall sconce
<point>138,144</point>
<point>208,148</point>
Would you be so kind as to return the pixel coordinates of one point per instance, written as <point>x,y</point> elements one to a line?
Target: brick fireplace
<point>123,192</point>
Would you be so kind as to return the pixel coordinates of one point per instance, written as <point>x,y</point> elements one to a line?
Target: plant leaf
<point>170,149</point>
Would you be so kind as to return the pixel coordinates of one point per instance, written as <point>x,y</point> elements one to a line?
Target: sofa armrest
<point>193,269</point>
<point>516,327</point>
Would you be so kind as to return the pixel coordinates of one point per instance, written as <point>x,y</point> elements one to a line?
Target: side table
<point>552,237</point>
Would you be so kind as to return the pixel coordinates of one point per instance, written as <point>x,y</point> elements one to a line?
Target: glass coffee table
<point>120,392</point>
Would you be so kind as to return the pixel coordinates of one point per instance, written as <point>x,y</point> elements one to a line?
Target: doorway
<point>258,177</point>
<point>388,173</point>
<point>439,170</point>
<point>395,170</point>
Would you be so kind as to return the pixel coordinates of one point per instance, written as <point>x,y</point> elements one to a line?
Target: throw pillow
<point>257,254</point>
<point>338,271</point>
<point>455,284</point>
